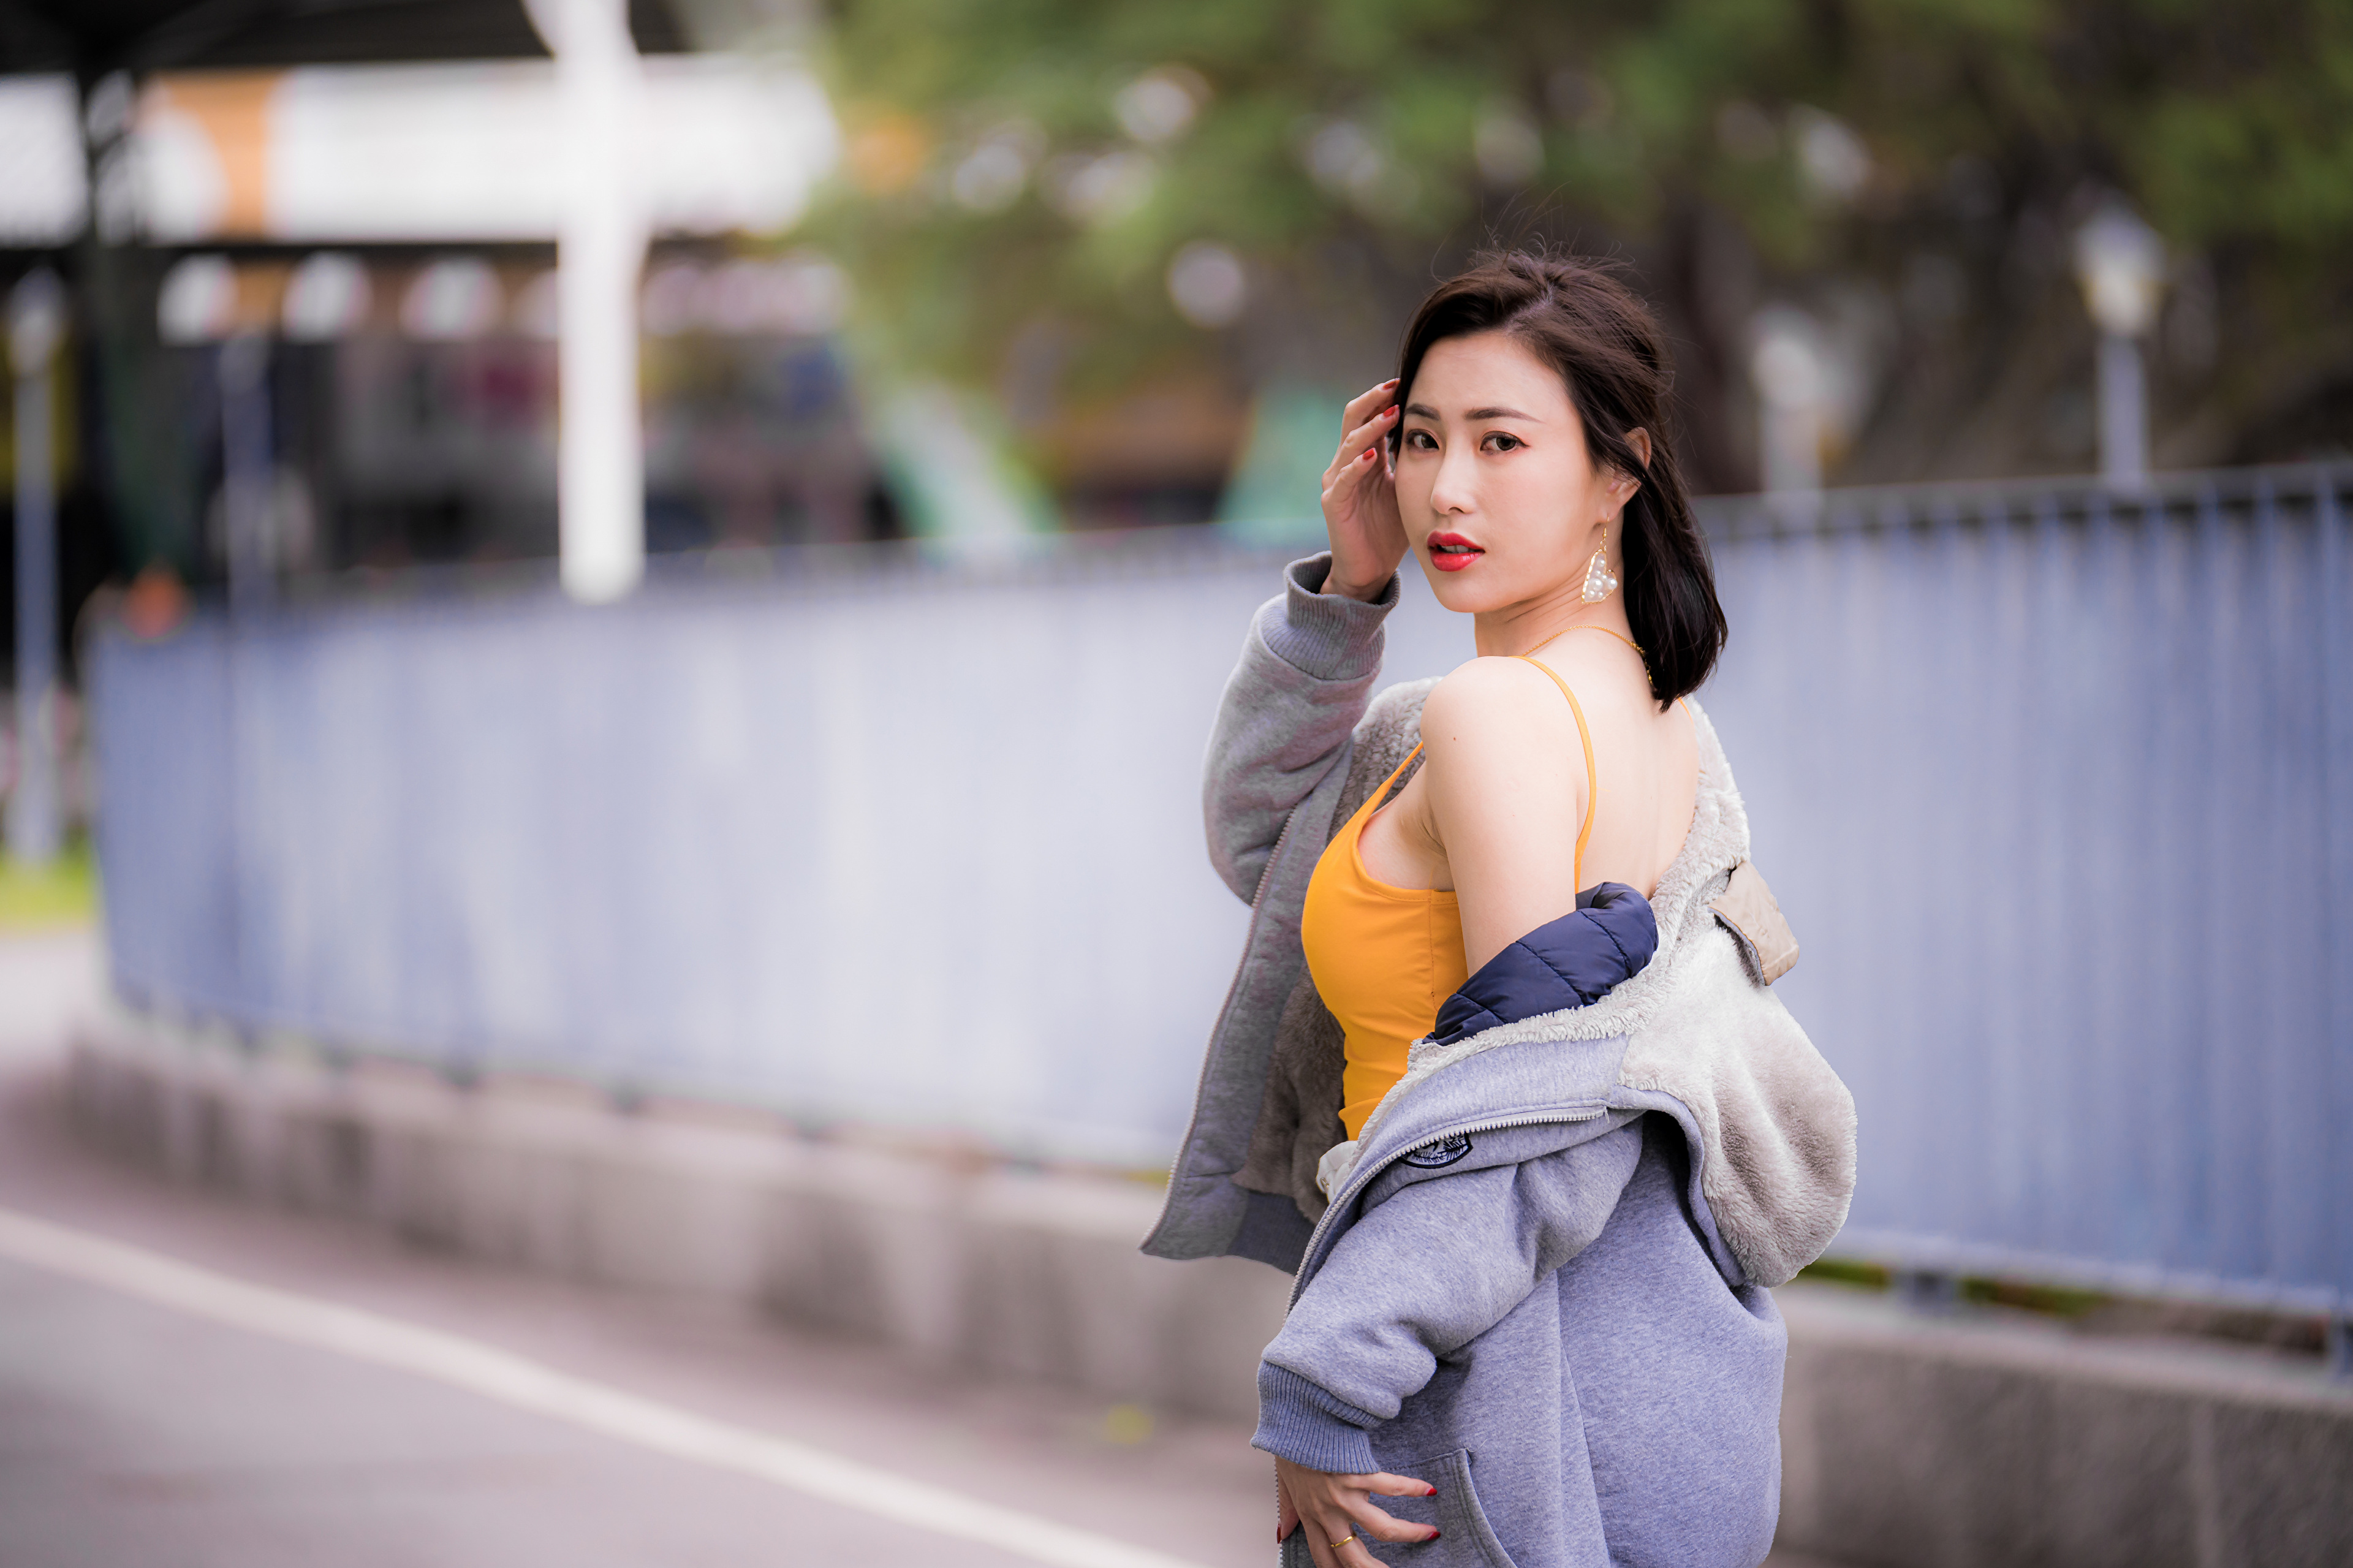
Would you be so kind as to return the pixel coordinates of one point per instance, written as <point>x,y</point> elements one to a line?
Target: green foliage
<point>1840,1271</point>
<point>1345,150</point>
<point>62,893</point>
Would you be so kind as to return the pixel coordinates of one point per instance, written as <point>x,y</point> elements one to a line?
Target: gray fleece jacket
<point>1539,1283</point>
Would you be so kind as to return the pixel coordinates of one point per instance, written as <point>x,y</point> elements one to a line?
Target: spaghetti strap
<point>1386,787</point>
<point>1592,780</point>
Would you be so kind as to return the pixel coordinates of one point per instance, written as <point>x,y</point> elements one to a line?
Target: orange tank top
<point>1385,959</point>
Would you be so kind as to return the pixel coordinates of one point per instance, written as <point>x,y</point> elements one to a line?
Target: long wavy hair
<point>1577,317</point>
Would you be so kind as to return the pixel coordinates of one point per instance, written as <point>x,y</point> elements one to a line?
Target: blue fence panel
<point>904,845</point>
<point>2052,783</point>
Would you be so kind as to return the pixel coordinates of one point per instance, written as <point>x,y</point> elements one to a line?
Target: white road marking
<point>525,1384</point>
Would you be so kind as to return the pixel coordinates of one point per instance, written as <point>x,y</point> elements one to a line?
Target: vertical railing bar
<point>2294,1011</point>
<point>1999,1097</point>
<point>2336,650</point>
<point>2218,1031</point>
<point>2165,631</point>
<point>2060,977</point>
<point>2112,1086</point>
<point>1923,1144</point>
<point>1906,1013</point>
<point>2257,764</point>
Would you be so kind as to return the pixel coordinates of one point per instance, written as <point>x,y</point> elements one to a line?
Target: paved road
<point>134,1432</point>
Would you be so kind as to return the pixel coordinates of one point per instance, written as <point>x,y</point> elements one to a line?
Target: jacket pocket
<point>1460,1517</point>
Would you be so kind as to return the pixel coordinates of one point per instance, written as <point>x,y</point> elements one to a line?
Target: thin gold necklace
<point>1605,631</point>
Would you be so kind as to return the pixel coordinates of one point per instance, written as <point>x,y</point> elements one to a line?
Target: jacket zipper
<point>1209,1058</point>
<point>1267,871</point>
<point>1361,1178</point>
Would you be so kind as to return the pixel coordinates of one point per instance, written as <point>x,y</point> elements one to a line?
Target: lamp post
<point>2120,262</point>
<point>37,325</point>
<point>1786,364</point>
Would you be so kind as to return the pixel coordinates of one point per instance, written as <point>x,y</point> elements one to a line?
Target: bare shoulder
<point>1487,693</point>
<point>1503,710</point>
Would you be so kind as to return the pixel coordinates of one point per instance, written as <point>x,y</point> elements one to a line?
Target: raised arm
<point>1307,667</point>
<point>1306,672</point>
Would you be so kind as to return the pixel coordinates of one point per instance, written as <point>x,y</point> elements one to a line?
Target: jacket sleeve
<point>1438,1264</point>
<point>1306,675</point>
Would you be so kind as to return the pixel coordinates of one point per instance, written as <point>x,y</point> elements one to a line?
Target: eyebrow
<point>1426,412</point>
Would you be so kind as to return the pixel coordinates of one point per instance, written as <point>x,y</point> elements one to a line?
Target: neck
<point>1522,627</point>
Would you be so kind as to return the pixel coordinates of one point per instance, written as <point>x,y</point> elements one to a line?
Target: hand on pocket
<point>1339,1514</point>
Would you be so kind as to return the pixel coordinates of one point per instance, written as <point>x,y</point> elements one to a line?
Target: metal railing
<point>2050,782</point>
<point>2054,784</point>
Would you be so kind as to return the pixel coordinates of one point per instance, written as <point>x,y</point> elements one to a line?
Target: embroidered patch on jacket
<point>1445,1151</point>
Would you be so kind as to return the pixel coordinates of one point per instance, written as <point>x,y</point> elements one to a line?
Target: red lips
<point>1451,552</point>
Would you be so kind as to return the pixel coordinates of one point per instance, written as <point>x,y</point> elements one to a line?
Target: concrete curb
<point>1909,1441</point>
<point>986,1269</point>
<point>1982,1438</point>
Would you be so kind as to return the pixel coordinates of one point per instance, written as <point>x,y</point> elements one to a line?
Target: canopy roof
<point>91,37</point>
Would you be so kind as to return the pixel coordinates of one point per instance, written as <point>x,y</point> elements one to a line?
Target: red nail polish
<point>1433,1535</point>
<point>1432,1492</point>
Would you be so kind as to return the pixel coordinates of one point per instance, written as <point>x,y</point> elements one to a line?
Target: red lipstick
<point>1451,552</point>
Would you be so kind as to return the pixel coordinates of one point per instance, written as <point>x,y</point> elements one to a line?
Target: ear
<point>1623,486</point>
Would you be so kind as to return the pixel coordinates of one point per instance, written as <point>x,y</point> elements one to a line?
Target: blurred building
<point>320,240</point>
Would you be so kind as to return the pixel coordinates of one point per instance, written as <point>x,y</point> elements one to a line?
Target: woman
<point>1535,1154</point>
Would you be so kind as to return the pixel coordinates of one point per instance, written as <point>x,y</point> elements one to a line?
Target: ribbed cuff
<point>1298,1421</point>
<point>1328,635</point>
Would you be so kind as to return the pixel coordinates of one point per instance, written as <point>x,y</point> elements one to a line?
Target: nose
<point>1454,490</point>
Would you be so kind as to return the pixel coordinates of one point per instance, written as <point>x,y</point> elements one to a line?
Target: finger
<point>1351,1552</point>
<point>1386,1485</point>
<point>1371,432</point>
<point>1356,448</point>
<point>1333,1541</point>
<point>1358,476</point>
<point>1286,1513</point>
<point>1365,402</point>
<point>1371,1523</point>
<point>1361,406</point>
<point>1319,1545</point>
<point>1354,460</point>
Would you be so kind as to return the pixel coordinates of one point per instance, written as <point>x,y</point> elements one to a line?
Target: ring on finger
<point>1344,1540</point>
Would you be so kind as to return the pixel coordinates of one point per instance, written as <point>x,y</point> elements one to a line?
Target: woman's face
<point>1499,500</point>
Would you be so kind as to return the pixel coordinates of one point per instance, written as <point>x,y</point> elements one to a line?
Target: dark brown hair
<point>1578,318</point>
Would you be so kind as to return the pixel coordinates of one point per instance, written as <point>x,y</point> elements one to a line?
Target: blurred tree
<point>1062,197</point>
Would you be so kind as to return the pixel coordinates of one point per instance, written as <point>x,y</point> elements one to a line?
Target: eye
<point>1421,441</point>
<point>1502,441</point>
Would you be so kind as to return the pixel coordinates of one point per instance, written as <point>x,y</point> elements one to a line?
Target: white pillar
<point>600,249</point>
<point>37,322</point>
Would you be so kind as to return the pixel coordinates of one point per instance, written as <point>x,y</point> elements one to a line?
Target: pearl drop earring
<point>1598,583</point>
